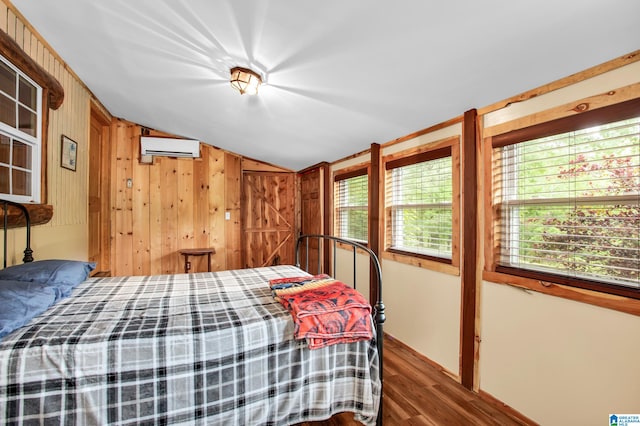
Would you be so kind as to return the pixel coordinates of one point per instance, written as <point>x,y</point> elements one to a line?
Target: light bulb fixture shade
<point>245,80</point>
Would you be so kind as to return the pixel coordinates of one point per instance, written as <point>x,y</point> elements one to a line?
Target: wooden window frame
<point>420,154</point>
<point>52,98</point>
<point>589,291</point>
<point>33,141</point>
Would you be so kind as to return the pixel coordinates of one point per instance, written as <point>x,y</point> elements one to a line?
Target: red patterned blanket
<point>325,311</point>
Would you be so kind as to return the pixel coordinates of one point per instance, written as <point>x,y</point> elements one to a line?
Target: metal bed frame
<point>28,253</point>
<point>378,309</point>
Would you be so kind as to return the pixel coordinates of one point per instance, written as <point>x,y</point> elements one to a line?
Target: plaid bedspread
<point>207,348</point>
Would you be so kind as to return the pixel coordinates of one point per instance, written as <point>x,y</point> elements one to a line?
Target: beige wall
<point>423,311</point>
<point>423,301</point>
<point>344,270</point>
<point>66,234</point>
<point>422,304</point>
<point>555,360</point>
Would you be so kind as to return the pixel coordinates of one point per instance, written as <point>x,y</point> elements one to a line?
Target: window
<point>419,194</point>
<point>352,205</point>
<point>20,139</point>
<point>567,197</point>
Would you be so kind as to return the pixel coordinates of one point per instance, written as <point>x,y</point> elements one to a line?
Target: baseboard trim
<point>490,399</point>
<point>429,361</point>
<point>504,407</point>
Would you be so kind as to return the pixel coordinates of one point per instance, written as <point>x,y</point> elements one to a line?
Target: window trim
<point>53,92</point>
<point>35,142</point>
<point>52,97</point>
<point>590,118</point>
<point>539,279</point>
<point>421,157</point>
<point>361,171</point>
<point>419,255</point>
<point>442,148</point>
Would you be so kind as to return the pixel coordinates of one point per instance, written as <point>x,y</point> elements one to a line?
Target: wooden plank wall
<point>172,204</point>
<point>66,190</point>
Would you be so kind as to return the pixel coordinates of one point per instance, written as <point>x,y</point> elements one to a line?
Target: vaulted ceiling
<point>340,74</point>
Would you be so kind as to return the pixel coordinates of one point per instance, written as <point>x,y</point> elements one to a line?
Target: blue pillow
<point>62,274</point>
<point>21,301</point>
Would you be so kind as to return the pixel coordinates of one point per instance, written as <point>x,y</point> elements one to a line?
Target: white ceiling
<point>341,74</point>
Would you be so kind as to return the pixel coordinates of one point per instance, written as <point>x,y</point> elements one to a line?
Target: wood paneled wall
<point>172,204</point>
<point>65,190</point>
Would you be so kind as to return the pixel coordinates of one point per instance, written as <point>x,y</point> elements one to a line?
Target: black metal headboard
<point>28,253</point>
<point>379,314</point>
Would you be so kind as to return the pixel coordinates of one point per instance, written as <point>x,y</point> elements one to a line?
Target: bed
<point>200,348</point>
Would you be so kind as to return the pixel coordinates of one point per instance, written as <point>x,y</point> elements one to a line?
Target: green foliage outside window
<point>352,203</point>
<point>421,211</point>
<point>571,203</point>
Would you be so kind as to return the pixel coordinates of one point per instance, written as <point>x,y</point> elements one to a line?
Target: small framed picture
<point>69,153</point>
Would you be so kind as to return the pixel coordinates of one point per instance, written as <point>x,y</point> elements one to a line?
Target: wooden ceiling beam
<point>18,57</point>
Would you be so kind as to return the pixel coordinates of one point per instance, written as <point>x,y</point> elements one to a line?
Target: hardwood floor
<point>417,393</point>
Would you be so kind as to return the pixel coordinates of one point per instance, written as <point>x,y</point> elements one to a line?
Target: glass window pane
<point>27,94</point>
<point>7,111</point>
<point>570,203</point>
<point>4,180</point>
<point>21,182</point>
<point>27,121</point>
<point>351,207</point>
<point>21,155</point>
<point>421,199</point>
<point>5,149</point>
<point>20,142</point>
<point>7,80</point>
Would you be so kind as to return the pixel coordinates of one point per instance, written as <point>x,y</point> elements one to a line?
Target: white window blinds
<point>568,203</point>
<point>352,205</point>
<point>419,200</point>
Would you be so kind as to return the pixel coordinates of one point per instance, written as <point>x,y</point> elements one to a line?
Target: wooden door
<point>268,218</point>
<point>99,246</point>
<point>310,217</point>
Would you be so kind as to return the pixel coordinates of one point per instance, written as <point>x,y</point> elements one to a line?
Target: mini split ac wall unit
<point>169,147</point>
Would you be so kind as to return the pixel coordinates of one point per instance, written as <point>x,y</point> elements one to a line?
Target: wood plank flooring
<point>417,393</point>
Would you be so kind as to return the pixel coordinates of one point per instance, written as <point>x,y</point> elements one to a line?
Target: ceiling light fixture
<point>245,81</point>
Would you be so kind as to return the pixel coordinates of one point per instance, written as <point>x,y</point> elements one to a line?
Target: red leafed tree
<point>599,238</point>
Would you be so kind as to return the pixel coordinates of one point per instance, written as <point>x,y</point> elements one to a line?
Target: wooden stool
<point>196,252</point>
